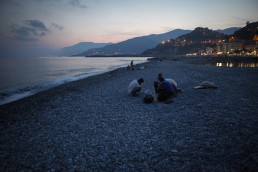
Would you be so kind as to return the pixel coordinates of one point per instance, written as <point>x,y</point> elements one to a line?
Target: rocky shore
<point>94,125</point>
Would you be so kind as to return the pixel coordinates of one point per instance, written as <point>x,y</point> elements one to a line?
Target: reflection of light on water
<point>218,64</point>
<point>237,64</point>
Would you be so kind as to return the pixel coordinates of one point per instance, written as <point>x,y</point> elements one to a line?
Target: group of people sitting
<point>165,89</point>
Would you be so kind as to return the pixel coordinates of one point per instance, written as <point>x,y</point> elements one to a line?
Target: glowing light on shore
<point>236,64</point>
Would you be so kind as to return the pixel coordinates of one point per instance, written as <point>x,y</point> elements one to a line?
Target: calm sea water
<point>23,77</point>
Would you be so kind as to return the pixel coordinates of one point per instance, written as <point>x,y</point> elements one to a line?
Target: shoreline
<point>211,59</point>
<point>16,91</point>
<point>22,95</point>
<point>65,86</point>
<point>93,124</point>
<point>200,60</point>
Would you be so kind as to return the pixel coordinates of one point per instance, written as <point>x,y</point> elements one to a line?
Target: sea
<point>22,77</point>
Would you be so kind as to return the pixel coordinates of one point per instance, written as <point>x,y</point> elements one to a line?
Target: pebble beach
<point>94,124</point>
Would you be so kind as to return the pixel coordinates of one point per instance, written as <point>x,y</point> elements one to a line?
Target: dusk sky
<point>34,27</point>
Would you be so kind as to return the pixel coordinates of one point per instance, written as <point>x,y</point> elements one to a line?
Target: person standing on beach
<point>135,86</point>
<point>131,66</point>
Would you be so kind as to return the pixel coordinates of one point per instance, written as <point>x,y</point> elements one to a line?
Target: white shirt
<point>132,85</point>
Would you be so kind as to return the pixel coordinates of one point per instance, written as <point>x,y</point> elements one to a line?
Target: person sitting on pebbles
<point>171,81</point>
<point>165,91</point>
<point>135,86</point>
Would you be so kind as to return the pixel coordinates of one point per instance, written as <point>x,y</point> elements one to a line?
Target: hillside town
<point>203,41</point>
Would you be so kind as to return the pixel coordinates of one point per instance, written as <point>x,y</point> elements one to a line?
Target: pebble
<point>101,128</point>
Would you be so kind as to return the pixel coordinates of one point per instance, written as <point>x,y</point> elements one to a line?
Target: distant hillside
<point>200,38</point>
<point>247,32</point>
<point>168,35</point>
<point>201,34</point>
<point>188,43</point>
<point>228,31</point>
<point>80,47</point>
<point>135,45</point>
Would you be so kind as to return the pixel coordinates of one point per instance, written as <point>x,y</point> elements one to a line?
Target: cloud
<point>16,4</point>
<point>57,26</point>
<point>10,3</point>
<point>32,30</point>
<point>78,4</point>
<point>39,25</point>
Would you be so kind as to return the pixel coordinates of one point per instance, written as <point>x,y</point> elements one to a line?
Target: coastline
<point>93,124</point>
<point>34,77</point>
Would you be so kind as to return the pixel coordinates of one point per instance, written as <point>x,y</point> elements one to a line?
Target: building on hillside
<point>229,47</point>
<point>234,46</point>
<point>219,48</point>
<point>250,49</point>
<point>225,48</point>
<point>209,50</point>
<point>255,38</point>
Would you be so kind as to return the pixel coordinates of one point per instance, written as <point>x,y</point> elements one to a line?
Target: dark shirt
<point>167,85</point>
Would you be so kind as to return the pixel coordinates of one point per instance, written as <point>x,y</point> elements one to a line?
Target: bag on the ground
<point>148,98</point>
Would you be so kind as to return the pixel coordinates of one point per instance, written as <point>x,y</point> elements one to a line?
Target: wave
<point>10,95</point>
<point>39,74</point>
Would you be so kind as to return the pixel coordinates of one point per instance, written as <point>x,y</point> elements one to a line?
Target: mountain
<point>185,44</point>
<point>169,35</point>
<point>201,40</point>
<point>80,47</point>
<point>247,32</point>
<point>200,34</point>
<point>135,45</point>
<point>228,31</point>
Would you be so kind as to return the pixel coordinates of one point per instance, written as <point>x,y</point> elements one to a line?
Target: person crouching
<point>165,91</point>
<point>135,86</point>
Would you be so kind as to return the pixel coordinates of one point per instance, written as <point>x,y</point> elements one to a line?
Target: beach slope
<point>94,125</point>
